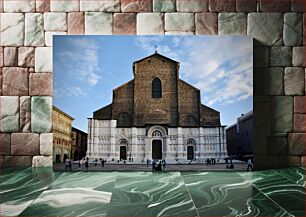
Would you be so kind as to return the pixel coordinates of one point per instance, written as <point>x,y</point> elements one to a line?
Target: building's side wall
<point>148,110</point>
<point>188,103</point>
<point>61,129</point>
<point>209,117</point>
<point>231,140</point>
<point>123,101</point>
<point>246,136</point>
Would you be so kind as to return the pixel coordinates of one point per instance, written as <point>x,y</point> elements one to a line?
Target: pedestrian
<point>103,162</point>
<point>70,165</point>
<point>159,166</point>
<point>148,162</point>
<point>250,164</point>
<point>86,164</point>
<point>66,164</point>
<point>153,166</point>
<point>80,164</point>
<point>164,165</point>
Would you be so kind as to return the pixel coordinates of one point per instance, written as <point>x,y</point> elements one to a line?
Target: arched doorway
<point>190,152</point>
<point>190,149</point>
<point>122,152</point>
<point>157,150</point>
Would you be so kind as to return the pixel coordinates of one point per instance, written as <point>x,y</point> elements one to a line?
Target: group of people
<point>68,164</point>
<point>159,165</point>
<point>210,161</point>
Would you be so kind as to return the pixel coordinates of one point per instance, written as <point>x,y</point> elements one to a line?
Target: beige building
<point>61,129</point>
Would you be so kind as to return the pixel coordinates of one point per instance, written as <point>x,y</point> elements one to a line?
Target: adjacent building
<point>79,144</point>
<point>61,129</point>
<point>156,116</point>
<point>239,136</point>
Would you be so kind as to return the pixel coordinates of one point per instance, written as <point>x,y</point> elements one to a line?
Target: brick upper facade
<point>180,104</point>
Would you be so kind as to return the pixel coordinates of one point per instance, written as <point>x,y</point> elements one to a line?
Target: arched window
<point>124,120</point>
<point>156,88</point>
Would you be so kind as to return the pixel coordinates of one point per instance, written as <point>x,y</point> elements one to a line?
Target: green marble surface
<point>42,192</point>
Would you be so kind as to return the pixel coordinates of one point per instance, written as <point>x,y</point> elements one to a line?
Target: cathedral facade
<point>156,116</point>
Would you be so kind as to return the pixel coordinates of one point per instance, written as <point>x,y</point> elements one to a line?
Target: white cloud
<point>81,60</point>
<point>69,91</point>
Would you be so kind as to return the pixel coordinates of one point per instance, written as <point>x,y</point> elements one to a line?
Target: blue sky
<point>88,68</point>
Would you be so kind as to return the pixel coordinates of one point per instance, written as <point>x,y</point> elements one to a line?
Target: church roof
<point>156,54</point>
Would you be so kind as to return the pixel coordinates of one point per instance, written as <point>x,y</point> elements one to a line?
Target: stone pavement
<point>242,166</point>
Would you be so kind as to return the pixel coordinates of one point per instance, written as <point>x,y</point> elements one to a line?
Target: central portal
<point>156,149</point>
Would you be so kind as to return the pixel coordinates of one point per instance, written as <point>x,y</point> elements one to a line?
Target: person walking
<point>86,164</point>
<point>164,165</point>
<point>250,164</point>
<point>153,166</point>
<point>103,162</point>
<point>148,162</point>
<point>70,164</point>
<point>66,164</point>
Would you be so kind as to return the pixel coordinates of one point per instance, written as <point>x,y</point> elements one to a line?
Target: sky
<point>88,68</point>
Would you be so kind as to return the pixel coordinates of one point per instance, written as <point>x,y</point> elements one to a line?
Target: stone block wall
<point>26,63</point>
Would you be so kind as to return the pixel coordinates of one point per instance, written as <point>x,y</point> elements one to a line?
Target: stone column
<point>180,143</point>
<point>201,145</point>
<point>112,135</point>
<point>134,153</point>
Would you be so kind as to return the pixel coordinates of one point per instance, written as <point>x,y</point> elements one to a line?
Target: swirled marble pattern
<point>42,192</point>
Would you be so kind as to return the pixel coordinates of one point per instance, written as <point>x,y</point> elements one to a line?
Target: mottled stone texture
<point>232,23</point>
<point>12,29</point>
<point>266,28</point>
<point>25,114</point>
<point>67,6</point>
<point>297,5</point>
<point>299,56</point>
<point>206,23</point>
<point>261,56</point>
<point>25,144</point>
<point>246,5</point>
<point>76,23</point>
<point>1,81</point>
<point>136,5</point>
<point>156,23</point>
<point>15,81</point>
<point>55,21</point>
<point>46,143</point>
<point>26,56</point>
<point>42,5</point>
<point>278,145</point>
<point>100,5</point>
<point>1,56</point>
<point>124,23</point>
<point>40,84</point>
<point>222,5</point>
<point>43,59</point>
<point>274,81</point>
<point>280,56</point>
<point>18,161</point>
<point>41,111</point>
<point>9,114</point>
<point>34,30</point>
<point>191,5</point>
<point>299,123</point>
<point>299,104</point>
<point>98,23</point>
<point>293,29</point>
<point>42,161</point>
<point>296,143</point>
<point>179,22</point>
<point>19,6</point>
<point>275,6</point>
<point>5,144</point>
<point>10,56</point>
<point>282,117</point>
<point>164,5</point>
<point>294,81</point>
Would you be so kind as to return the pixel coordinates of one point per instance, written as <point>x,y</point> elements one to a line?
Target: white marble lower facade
<point>137,145</point>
